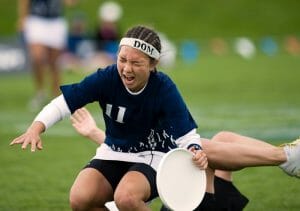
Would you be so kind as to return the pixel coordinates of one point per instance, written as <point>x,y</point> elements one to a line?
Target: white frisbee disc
<point>181,184</point>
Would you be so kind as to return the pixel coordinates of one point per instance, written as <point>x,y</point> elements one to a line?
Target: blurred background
<point>236,63</point>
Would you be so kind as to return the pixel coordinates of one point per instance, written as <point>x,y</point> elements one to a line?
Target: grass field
<point>258,97</point>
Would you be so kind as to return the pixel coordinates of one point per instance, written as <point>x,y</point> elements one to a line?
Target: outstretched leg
<point>231,151</point>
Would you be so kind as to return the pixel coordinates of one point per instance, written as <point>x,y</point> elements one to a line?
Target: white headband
<point>141,45</point>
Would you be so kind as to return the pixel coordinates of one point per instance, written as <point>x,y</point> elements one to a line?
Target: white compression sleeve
<point>191,137</point>
<point>55,111</point>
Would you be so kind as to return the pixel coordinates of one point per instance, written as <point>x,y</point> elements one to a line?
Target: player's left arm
<point>85,125</point>
<point>191,141</point>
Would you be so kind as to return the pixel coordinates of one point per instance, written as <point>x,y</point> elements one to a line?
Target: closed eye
<point>137,64</point>
<point>122,60</point>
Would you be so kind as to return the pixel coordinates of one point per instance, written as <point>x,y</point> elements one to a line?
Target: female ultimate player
<point>145,117</point>
<point>226,195</point>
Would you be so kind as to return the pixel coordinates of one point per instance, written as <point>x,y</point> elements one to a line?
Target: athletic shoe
<point>292,165</point>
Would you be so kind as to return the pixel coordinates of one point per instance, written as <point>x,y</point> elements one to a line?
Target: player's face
<point>134,68</point>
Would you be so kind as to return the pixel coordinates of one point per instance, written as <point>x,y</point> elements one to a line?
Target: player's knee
<point>78,201</point>
<point>125,200</point>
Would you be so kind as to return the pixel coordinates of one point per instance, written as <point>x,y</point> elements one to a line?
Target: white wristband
<point>55,111</point>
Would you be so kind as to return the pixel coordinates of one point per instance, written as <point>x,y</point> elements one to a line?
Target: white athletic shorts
<point>51,32</point>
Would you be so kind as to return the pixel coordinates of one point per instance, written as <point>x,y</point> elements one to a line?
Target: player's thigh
<point>231,137</point>
<point>91,185</point>
<point>140,182</point>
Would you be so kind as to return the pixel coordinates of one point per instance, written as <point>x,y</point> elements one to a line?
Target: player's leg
<point>55,70</point>
<point>136,188</point>
<point>90,191</point>
<point>292,166</point>
<point>230,151</point>
<point>96,183</point>
<point>226,151</point>
<point>225,175</point>
<point>230,137</point>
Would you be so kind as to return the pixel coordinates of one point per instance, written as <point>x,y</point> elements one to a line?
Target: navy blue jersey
<point>46,8</point>
<point>151,120</point>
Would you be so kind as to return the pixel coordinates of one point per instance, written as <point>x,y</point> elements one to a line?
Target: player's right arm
<point>31,136</point>
<point>55,111</point>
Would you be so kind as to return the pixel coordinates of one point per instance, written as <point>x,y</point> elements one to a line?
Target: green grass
<point>258,97</point>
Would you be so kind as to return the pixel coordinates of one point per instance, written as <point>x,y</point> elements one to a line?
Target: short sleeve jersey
<point>151,120</point>
<point>46,8</point>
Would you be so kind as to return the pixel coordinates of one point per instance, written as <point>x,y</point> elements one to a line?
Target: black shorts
<point>113,171</point>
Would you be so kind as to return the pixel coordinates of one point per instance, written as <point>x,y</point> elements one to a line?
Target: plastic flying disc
<point>180,183</point>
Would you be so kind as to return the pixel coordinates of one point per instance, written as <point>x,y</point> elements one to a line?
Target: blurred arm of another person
<point>23,6</point>
<point>86,126</point>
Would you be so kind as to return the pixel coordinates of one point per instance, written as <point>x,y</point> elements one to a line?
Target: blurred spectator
<point>45,32</point>
<point>245,47</point>
<point>268,46</point>
<point>107,32</point>
<point>77,31</point>
<point>218,46</point>
<point>190,51</point>
<point>77,37</point>
<point>292,45</point>
<point>99,50</point>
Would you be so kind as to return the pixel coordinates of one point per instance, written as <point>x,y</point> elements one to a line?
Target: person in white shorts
<point>45,31</point>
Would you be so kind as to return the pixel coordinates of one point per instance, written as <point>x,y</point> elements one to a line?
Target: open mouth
<point>128,80</point>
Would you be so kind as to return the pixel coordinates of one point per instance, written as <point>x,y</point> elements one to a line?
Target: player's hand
<point>83,122</point>
<point>29,138</point>
<point>199,158</point>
